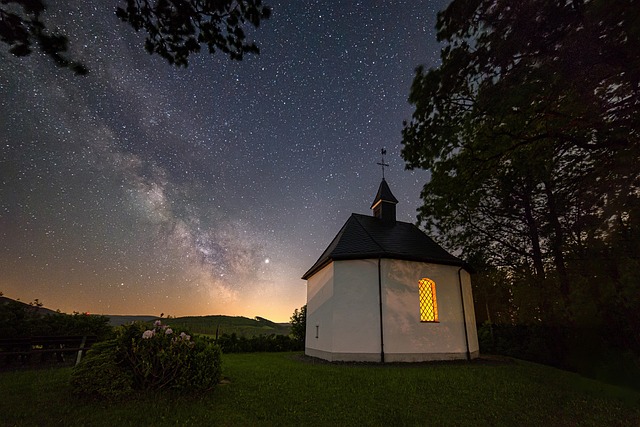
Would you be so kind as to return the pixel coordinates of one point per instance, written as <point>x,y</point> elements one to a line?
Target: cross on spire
<point>383,164</point>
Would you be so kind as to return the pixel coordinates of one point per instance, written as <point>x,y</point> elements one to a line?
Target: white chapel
<point>383,291</point>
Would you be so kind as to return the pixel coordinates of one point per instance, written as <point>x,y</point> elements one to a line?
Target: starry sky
<point>145,189</point>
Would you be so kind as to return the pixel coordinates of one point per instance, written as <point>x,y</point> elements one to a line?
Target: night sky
<point>146,189</point>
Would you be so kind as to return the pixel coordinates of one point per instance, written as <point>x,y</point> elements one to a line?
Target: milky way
<point>143,188</point>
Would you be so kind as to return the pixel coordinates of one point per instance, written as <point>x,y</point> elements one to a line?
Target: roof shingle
<point>364,237</point>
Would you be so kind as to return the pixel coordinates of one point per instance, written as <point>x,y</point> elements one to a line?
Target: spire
<point>384,205</point>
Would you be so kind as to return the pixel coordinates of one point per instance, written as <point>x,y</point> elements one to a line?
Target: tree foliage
<point>298,324</point>
<point>26,320</point>
<point>22,28</point>
<point>530,129</point>
<point>175,28</point>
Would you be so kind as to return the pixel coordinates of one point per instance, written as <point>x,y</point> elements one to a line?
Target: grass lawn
<point>282,389</point>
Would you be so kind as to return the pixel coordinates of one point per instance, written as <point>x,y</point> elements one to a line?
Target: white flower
<point>157,323</point>
<point>148,334</point>
<point>169,331</point>
<point>185,336</point>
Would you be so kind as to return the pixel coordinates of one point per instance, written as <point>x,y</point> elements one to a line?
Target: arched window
<point>428,302</point>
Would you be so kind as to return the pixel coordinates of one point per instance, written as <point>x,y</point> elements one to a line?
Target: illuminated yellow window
<point>428,302</point>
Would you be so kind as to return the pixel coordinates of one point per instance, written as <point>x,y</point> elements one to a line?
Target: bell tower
<point>384,205</point>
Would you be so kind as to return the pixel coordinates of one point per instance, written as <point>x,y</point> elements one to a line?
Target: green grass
<point>280,389</point>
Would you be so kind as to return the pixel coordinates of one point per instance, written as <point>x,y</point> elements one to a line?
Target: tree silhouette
<point>21,27</point>
<point>530,129</point>
<point>298,324</point>
<point>175,28</point>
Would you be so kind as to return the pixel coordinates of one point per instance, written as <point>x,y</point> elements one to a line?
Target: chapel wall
<point>356,318</point>
<point>404,333</point>
<point>320,296</point>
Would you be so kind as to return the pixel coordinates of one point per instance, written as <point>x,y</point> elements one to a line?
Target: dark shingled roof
<point>365,237</point>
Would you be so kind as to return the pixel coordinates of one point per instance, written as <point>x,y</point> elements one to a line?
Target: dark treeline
<point>262,343</point>
<point>274,342</point>
<point>18,319</point>
<point>530,129</point>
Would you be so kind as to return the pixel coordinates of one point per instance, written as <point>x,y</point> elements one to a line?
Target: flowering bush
<point>100,375</point>
<point>157,358</point>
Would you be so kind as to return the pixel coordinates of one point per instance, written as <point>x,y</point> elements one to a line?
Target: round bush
<point>100,375</point>
<point>143,358</point>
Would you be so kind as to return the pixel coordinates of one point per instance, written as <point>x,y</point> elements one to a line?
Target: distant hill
<point>4,300</point>
<point>117,320</point>
<point>210,325</point>
<point>114,320</point>
<point>241,326</point>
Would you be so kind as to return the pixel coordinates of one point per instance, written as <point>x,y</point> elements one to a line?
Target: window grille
<point>428,301</point>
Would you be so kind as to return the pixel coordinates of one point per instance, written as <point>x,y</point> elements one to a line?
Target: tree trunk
<point>534,235</point>
<point>557,242</point>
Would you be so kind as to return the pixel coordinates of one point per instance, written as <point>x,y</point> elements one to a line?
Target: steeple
<point>384,205</point>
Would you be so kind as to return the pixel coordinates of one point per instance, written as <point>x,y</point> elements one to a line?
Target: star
<point>176,182</point>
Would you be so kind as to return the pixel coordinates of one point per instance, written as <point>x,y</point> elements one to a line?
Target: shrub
<point>261,343</point>
<point>101,374</point>
<point>149,359</point>
<point>202,371</point>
